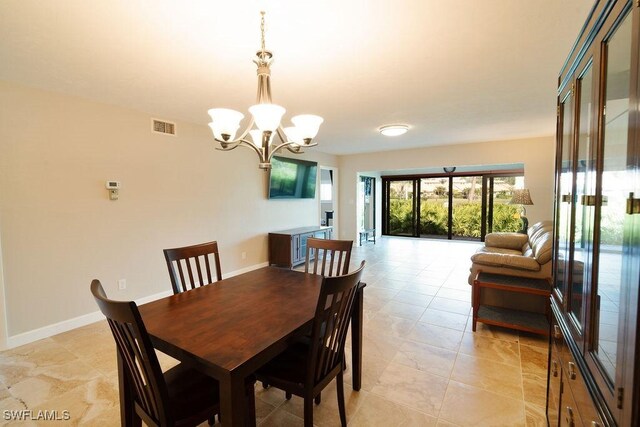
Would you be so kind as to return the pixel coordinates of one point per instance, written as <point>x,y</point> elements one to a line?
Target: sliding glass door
<point>434,207</point>
<point>501,215</point>
<point>466,215</point>
<point>401,210</point>
<point>450,206</point>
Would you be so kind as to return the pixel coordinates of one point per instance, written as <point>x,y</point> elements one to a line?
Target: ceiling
<point>455,71</point>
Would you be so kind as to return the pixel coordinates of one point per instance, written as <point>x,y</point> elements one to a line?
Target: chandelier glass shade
<point>266,117</point>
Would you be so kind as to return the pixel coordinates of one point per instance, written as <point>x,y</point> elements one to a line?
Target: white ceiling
<point>456,71</point>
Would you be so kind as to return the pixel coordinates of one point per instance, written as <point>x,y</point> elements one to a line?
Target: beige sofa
<point>515,254</point>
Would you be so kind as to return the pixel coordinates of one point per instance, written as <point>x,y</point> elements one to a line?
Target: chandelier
<point>266,116</point>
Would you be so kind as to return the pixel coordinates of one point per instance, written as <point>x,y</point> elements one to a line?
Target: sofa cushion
<point>492,250</point>
<point>540,241</point>
<point>542,248</point>
<point>507,260</point>
<point>513,241</point>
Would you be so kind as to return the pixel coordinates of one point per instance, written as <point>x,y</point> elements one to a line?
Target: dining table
<point>230,328</point>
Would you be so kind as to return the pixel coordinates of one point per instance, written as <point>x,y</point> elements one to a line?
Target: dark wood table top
<point>226,324</point>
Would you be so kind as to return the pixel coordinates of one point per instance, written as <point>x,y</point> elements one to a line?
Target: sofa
<point>515,254</point>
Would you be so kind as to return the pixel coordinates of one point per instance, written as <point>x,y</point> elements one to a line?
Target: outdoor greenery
<point>466,218</point>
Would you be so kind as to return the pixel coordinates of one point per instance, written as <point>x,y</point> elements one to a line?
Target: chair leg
<point>341,409</point>
<point>308,411</point>
<point>265,384</point>
<point>212,420</point>
<point>318,398</point>
<point>287,395</point>
<point>137,420</point>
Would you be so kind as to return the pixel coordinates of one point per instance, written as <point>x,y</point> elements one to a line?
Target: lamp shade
<point>224,122</point>
<point>256,137</point>
<point>308,125</point>
<point>293,133</point>
<point>521,197</point>
<point>267,116</point>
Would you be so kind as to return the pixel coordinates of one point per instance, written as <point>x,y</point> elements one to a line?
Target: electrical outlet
<point>122,284</point>
<point>244,255</point>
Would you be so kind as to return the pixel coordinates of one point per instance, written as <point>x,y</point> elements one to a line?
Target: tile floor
<point>422,365</point>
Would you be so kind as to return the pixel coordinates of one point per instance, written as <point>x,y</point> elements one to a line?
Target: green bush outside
<point>467,218</point>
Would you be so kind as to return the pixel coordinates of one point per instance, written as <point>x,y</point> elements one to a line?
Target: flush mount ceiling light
<point>266,116</point>
<point>393,130</point>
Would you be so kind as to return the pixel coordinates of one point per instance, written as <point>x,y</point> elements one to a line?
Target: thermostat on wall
<point>113,187</point>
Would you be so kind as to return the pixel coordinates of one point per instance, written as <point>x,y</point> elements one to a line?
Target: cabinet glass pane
<point>564,193</point>
<point>583,230</point>
<point>615,187</point>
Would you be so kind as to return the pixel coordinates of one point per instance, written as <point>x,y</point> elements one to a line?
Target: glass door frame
<point>486,177</point>
<point>610,391</point>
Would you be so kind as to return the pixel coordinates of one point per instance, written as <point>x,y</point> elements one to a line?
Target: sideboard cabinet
<point>594,373</point>
<point>288,248</point>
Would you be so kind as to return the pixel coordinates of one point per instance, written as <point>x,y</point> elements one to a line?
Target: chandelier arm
<point>247,129</point>
<point>254,147</point>
<point>240,143</point>
<point>295,150</point>
<point>287,145</point>
<point>281,134</point>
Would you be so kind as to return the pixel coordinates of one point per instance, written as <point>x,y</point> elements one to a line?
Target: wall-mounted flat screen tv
<point>292,178</point>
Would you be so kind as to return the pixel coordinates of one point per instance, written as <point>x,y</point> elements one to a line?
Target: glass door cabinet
<point>594,374</point>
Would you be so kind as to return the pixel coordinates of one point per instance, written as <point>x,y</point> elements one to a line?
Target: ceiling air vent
<point>161,126</point>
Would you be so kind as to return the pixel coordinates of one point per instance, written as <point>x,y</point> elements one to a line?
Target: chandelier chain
<point>262,33</point>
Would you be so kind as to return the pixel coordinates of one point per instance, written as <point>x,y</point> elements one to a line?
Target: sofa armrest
<point>513,241</point>
<point>506,260</point>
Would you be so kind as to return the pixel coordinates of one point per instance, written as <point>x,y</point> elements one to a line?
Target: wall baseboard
<point>86,319</point>
<point>245,270</point>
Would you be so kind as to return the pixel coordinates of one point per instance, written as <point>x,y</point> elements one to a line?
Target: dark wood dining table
<point>232,327</point>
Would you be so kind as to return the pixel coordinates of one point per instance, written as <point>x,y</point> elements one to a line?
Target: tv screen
<point>292,179</point>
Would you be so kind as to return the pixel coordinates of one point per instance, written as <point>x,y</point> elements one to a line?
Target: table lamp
<point>522,198</point>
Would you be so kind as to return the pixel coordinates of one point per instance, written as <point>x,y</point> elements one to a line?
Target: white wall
<point>59,230</point>
<point>537,155</point>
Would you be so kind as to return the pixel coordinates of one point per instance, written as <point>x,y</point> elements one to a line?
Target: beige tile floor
<point>422,365</point>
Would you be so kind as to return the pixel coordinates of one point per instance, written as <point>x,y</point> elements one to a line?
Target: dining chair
<point>182,396</point>
<point>328,257</point>
<point>194,260</point>
<point>306,367</point>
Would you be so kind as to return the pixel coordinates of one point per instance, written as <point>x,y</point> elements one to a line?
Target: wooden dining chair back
<point>328,257</point>
<point>330,325</point>
<point>152,398</point>
<point>307,367</point>
<point>192,266</point>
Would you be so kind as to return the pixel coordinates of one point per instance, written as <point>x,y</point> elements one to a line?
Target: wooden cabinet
<point>569,398</point>
<point>288,248</point>
<point>594,378</point>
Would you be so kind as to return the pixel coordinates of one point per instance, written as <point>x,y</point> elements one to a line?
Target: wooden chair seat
<point>289,369</point>
<point>193,396</point>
